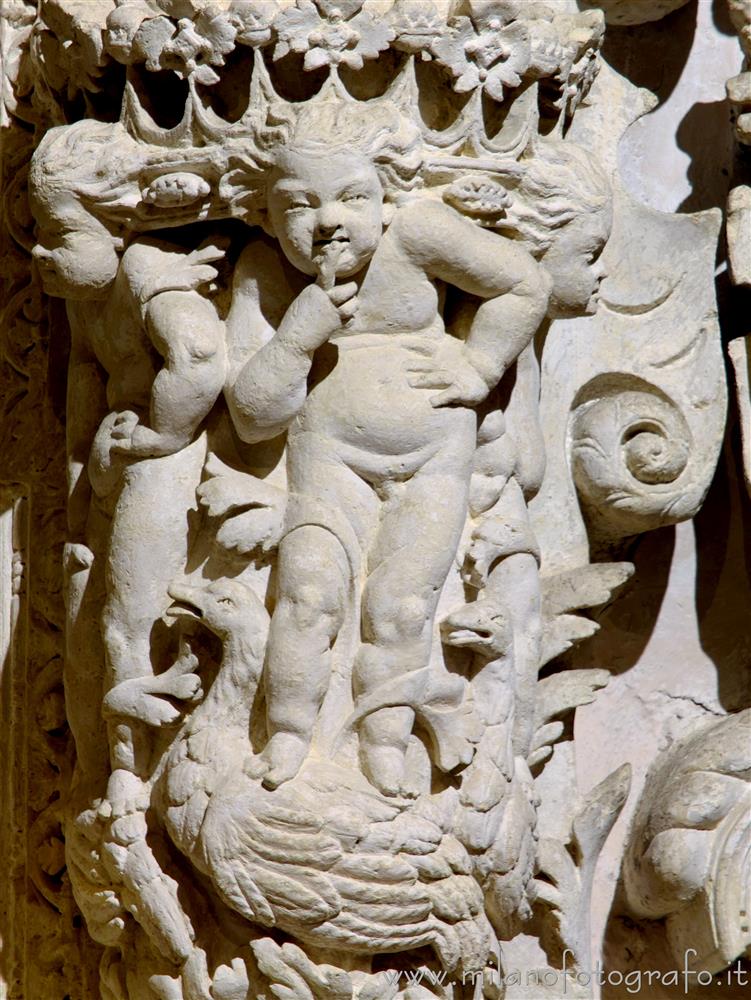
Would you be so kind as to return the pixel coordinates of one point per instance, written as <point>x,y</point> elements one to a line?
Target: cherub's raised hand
<point>344,299</point>
<point>132,440</point>
<point>316,314</point>
<point>447,365</point>
<point>186,272</point>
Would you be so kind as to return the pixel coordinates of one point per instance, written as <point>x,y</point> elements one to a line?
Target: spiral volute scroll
<point>630,454</point>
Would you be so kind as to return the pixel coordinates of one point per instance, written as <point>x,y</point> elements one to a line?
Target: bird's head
<point>228,608</point>
<point>482,626</point>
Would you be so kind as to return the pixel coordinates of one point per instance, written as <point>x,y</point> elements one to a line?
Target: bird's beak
<point>464,630</point>
<point>185,601</point>
<point>466,637</point>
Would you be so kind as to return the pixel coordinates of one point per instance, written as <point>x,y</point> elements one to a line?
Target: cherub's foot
<point>126,795</point>
<point>284,755</point>
<point>383,766</point>
<point>454,733</point>
<point>143,698</point>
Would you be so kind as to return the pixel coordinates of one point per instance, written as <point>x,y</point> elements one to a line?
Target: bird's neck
<point>233,691</point>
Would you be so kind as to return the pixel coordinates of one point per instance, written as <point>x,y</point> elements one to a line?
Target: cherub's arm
<point>185,329</point>
<point>514,286</point>
<point>270,388</point>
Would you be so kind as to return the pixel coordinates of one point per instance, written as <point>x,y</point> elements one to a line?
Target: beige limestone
<point>378,364</point>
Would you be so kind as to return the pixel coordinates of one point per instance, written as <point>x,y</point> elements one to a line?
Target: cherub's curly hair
<point>376,129</point>
<point>560,182</point>
<point>81,168</point>
<point>83,159</point>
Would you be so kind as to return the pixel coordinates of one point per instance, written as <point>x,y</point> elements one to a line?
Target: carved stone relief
<point>295,393</point>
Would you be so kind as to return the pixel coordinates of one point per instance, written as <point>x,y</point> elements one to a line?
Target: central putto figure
<point>378,398</point>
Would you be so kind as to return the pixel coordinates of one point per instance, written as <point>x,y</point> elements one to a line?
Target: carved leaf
<point>598,812</point>
<point>584,587</point>
<point>384,986</point>
<point>253,509</point>
<point>294,27</point>
<point>514,60</point>
<point>541,747</point>
<point>149,42</point>
<point>450,51</point>
<point>567,690</point>
<point>293,976</point>
<point>556,695</point>
<point>374,38</point>
<point>557,883</point>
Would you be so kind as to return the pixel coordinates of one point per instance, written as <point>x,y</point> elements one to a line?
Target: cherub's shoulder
<point>429,220</point>
<point>260,253</point>
<point>423,211</point>
<point>264,279</point>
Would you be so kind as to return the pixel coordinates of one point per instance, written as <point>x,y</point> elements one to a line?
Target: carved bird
<point>325,857</point>
<point>484,625</point>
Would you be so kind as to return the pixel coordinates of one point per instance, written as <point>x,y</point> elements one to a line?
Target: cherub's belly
<point>367,403</point>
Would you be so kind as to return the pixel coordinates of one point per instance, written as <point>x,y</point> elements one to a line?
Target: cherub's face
<point>76,264</point>
<point>574,264</point>
<point>324,206</point>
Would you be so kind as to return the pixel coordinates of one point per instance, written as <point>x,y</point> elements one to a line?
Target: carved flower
<point>199,45</point>
<point>175,189</point>
<point>183,8</point>
<point>481,196</point>
<point>127,32</point>
<point>331,34</point>
<point>149,41</point>
<point>566,49</point>
<point>253,20</point>
<point>417,25</point>
<point>488,50</point>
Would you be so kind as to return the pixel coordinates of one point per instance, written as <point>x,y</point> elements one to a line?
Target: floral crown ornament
<point>519,55</point>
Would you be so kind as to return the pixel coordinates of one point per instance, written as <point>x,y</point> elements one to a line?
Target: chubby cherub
<point>379,402</point>
<point>147,363</point>
<point>561,211</point>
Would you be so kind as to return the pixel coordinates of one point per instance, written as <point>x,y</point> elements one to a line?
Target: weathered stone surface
<point>360,368</point>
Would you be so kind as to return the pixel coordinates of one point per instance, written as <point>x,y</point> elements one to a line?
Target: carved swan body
<point>324,857</point>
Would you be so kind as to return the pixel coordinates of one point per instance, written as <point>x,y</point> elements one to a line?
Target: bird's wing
<point>266,868</point>
<point>575,590</point>
<point>584,587</point>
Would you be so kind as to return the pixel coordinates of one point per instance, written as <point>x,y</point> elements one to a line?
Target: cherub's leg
<point>313,582</point>
<point>413,552</point>
<point>314,577</point>
<point>84,660</point>
<point>148,549</point>
<point>516,580</point>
